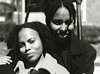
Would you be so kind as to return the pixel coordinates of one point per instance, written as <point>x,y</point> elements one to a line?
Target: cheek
<point>40,51</point>
<point>38,47</point>
<point>55,27</point>
<point>71,27</point>
<point>22,50</point>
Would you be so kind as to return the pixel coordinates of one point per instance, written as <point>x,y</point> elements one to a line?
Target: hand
<point>5,60</point>
<point>21,68</point>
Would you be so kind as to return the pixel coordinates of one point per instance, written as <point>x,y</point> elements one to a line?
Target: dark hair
<point>51,6</point>
<point>43,31</point>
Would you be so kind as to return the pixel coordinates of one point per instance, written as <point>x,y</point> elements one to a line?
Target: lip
<point>62,36</point>
<point>29,54</point>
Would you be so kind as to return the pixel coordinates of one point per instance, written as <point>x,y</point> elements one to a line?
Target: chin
<point>31,59</point>
<point>62,39</point>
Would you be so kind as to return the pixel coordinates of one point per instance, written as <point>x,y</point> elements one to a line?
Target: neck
<point>31,64</point>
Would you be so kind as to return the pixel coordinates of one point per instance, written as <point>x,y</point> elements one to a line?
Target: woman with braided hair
<point>74,54</point>
<point>30,45</point>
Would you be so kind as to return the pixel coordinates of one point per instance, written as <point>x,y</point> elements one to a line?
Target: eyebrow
<point>27,40</point>
<point>31,39</point>
<point>61,19</point>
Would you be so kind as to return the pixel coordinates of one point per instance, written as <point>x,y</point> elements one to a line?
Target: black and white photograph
<point>49,37</point>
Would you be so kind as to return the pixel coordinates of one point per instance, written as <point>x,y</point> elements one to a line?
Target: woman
<point>74,54</point>
<point>29,44</point>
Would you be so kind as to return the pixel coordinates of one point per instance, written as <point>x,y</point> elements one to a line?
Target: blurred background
<point>13,12</point>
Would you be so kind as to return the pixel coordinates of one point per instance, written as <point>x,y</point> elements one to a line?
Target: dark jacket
<point>79,57</point>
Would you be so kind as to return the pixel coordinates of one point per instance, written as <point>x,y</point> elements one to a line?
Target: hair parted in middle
<point>51,6</point>
<point>43,31</point>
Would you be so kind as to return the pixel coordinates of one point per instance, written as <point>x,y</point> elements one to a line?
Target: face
<point>30,44</point>
<point>61,23</point>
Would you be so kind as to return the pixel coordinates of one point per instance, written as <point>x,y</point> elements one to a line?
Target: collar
<point>75,46</point>
<point>20,64</point>
<point>48,63</point>
<point>51,65</point>
<point>40,62</point>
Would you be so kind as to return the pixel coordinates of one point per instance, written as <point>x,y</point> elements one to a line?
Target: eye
<point>21,44</point>
<point>57,21</point>
<point>68,22</point>
<point>31,41</point>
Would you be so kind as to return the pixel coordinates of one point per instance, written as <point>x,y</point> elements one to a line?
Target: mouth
<point>29,55</point>
<point>62,36</point>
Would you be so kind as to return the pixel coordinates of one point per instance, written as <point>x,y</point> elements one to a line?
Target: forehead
<point>62,12</point>
<point>26,33</point>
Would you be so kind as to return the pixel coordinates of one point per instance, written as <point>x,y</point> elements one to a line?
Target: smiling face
<point>61,23</point>
<point>30,44</point>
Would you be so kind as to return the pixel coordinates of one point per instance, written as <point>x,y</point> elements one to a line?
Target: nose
<point>27,46</point>
<point>63,27</point>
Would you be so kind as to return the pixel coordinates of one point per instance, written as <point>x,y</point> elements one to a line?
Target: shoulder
<point>89,49</point>
<point>61,70</point>
<point>50,64</point>
<point>89,52</point>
